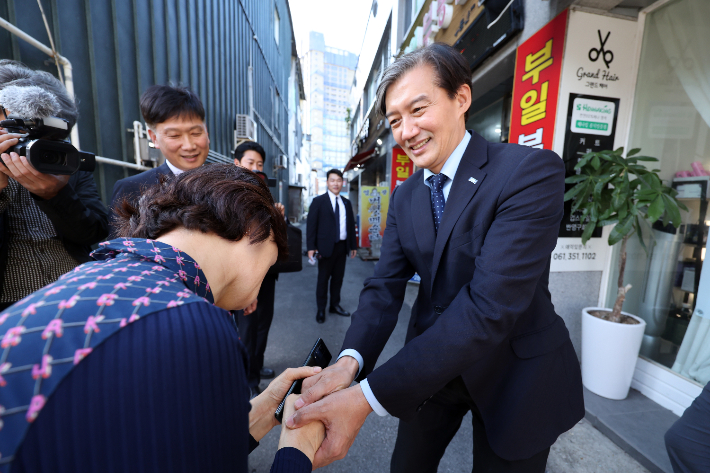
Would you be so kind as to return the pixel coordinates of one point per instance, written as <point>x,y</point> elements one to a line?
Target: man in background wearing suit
<point>176,126</point>
<point>478,223</point>
<point>331,231</point>
<point>255,321</point>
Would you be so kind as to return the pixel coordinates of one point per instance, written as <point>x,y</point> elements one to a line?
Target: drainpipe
<point>66,65</point>
<point>250,81</point>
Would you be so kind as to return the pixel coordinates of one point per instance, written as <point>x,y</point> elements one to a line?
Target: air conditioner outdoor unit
<point>245,129</point>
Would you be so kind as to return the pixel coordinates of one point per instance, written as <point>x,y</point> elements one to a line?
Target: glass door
<point>671,121</point>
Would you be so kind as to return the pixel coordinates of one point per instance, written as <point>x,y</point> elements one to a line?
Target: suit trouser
<point>688,440</point>
<point>332,268</point>
<point>421,442</point>
<point>265,308</point>
<point>254,329</point>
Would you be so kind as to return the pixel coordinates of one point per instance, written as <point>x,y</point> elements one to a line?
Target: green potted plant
<point>611,189</point>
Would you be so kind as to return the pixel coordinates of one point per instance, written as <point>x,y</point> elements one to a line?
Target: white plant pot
<point>609,354</point>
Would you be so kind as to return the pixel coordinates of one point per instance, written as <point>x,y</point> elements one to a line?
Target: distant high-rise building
<point>328,75</point>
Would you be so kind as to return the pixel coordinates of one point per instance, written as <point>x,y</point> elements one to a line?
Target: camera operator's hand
<point>7,141</point>
<point>45,186</point>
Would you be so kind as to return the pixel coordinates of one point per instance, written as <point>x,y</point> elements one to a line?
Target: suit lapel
<point>164,169</point>
<point>462,191</point>
<point>422,219</point>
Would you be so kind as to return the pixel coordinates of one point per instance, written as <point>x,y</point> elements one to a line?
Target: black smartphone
<point>319,356</point>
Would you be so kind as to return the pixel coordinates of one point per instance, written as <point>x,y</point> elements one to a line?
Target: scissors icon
<point>594,53</point>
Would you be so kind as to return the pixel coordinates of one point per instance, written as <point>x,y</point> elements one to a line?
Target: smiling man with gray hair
<point>47,222</point>
<point>478,223</point>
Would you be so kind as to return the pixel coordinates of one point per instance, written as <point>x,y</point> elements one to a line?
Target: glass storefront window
<point>671,121</point>
<point>488,122</point>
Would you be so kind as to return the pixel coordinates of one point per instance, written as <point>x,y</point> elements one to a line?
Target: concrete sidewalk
<point>581,450</point>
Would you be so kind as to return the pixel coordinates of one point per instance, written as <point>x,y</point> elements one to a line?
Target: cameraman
<point>47,223</point>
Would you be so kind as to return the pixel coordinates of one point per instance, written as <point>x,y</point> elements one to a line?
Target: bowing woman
<point>133,362</point>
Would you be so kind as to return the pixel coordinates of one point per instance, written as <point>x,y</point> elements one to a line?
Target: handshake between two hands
<point>324,421</point>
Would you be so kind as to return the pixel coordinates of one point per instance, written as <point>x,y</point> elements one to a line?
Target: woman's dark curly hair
<point>223,199</point>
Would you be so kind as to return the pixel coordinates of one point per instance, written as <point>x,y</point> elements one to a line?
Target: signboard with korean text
<point>596,87</point>
<point>591,126</point>
<point>374,202</point>
<point>536,85</point>
<point>402,167</point>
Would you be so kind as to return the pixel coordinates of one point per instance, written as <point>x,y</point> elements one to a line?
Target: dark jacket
<point>484,310</point>
<point>77,214</point>
<point>132,186</point>
<point>322,231</point>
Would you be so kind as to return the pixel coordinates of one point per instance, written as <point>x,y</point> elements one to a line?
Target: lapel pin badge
<point>473,179</point>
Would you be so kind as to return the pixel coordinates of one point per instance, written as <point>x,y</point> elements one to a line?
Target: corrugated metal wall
<point>119,48</point>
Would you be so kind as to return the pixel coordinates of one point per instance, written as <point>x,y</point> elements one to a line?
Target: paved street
<point>581,450</point>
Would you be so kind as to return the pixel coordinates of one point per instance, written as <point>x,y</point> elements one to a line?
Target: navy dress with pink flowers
<point>125,364</point>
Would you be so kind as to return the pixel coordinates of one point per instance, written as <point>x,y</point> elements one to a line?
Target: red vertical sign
<point>538,67</point>
<point>402,167</point>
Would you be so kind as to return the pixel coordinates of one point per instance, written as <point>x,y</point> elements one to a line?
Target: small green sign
<point>585,125</point>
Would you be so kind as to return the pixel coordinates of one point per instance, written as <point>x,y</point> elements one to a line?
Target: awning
<point>359,159</point>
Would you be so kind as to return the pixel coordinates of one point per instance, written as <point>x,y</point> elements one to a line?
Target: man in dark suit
<point>176,126</point>
<point>255,321</point>
<point>478,223</point>
<point>331,231</point>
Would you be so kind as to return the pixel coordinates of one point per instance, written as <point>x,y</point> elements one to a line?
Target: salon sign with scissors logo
<point>605,54</point>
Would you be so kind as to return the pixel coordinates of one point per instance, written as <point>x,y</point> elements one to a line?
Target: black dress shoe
<point>266,373</point>
<point>320,316</point>
<point>339,310</point>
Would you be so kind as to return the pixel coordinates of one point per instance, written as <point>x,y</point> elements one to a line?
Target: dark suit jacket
<point>483,311</point>
<point>132,186</point>
<point>322,231</point>
<point>77,214</point>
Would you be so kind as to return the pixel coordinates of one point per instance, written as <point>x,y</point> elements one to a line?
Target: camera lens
<point>53,157</point>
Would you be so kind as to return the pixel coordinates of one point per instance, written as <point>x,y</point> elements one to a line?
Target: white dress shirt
<point>175,170</point>
<point>343,228</point>
<point>449,169</point>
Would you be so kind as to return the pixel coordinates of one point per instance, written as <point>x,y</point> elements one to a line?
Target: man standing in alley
<point>478,222</point>
<point>176,126</point>
<point>331,231</point>
<point>255,322</point>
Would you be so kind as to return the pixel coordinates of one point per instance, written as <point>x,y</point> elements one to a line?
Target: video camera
<point>45,147</point>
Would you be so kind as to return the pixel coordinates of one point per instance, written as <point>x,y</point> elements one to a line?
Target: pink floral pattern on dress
<point>50,331</point>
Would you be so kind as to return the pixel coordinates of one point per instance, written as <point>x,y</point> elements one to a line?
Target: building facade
<point>328,76</point>
<point>119,49</point>
<point>534,65</point>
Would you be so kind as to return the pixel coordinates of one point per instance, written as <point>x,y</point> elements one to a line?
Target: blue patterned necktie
<point>437,182</point>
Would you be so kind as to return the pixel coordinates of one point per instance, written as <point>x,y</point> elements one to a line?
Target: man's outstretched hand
<point>334,378</point>
<point>342,413</point>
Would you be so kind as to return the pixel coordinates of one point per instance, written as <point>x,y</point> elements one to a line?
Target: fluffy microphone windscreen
<point>29,102</point>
